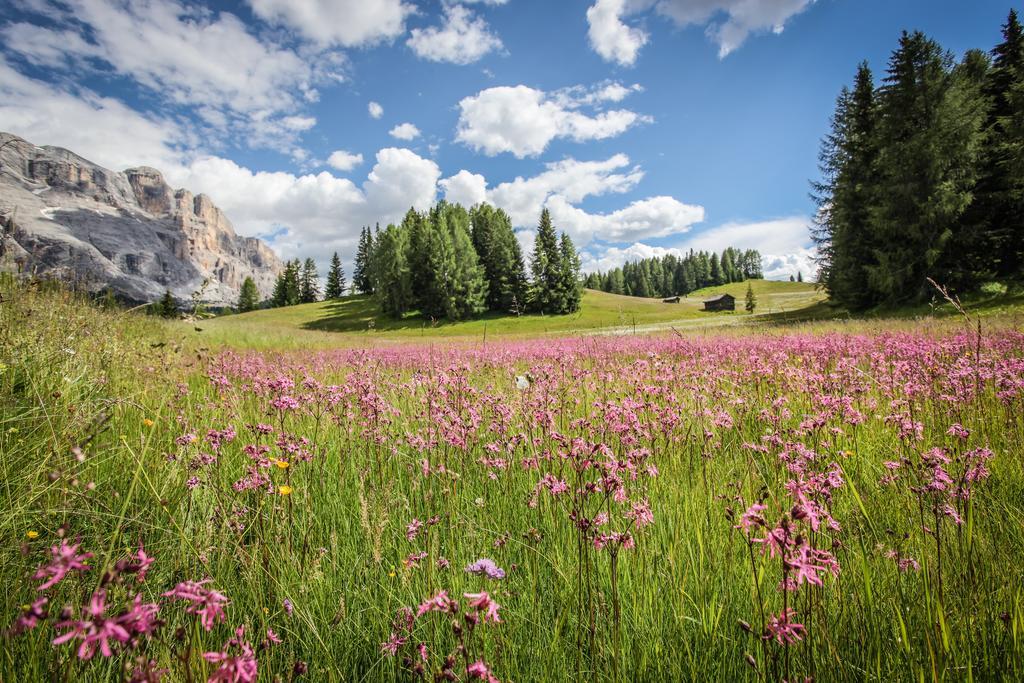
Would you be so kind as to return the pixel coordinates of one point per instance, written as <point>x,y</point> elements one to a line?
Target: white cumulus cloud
<point>375,110</point>
<point>609,36</point>
<point>344,161</point>
<point>728,23</point>
<point>348,23</point>
<point>177,51</point>
<point>463,38</point>
<point>404,131</point>
<point>565,184</point>
<point>523,120</point>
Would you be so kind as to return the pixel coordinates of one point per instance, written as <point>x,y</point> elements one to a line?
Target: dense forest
<point>672,275</point>
<point>923,175</point>
<point>450,263</point>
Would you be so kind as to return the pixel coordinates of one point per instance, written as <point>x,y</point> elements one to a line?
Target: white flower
<point>522,383</point>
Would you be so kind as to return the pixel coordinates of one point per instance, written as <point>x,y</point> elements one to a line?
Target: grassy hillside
<point>357,320</point>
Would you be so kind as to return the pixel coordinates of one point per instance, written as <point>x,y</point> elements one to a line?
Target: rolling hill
<point>357,320</point>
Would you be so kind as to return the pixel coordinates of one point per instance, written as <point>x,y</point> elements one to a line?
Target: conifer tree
<point>929,128</point>
<point>569,276</point>
<point>500,255</point>
<point>335,287</point>
<point>309,282</point>
<point>362,277</point>
<point>469,285</point>
<point>545,265</point>
<point>999,194</point>
<point>751,299</point>
<point>438,288</point>
<point>394,282</point>
<point>167,306</point>
<point>248,298</point>
<point>287,287</point>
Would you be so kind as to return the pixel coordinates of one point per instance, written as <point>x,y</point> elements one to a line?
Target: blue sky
<point>643,125</point>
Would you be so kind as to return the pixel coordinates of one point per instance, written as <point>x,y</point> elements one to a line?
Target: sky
<point>646,127</point>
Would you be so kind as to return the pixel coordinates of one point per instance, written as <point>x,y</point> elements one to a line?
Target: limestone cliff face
<point>64,216</point>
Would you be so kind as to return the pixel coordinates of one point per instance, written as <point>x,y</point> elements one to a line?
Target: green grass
<point>120,389</point>
<point>356,320</point>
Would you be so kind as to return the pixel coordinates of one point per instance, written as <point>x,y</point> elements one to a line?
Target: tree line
<point>672,275</point>
<point>923,175</point>
<point>454,263</point>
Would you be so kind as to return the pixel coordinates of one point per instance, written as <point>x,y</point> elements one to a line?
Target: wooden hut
<point>671,300</point>
<point>722,302</point>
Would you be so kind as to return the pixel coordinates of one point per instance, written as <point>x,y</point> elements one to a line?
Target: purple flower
<point>208,604</point>
<point>486,567</point>
<point>66,558</point>
<point>94,630</point>
<point>233,667</point>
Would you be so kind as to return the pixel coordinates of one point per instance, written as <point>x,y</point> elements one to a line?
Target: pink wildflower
<point>783,629</point>
<point>65,558</point>
<point>478,669</point>
<point>439,603</point>
<point>233,667</point>
<point>484,605</point>
<point>208,604</point>
<point>94,629</point>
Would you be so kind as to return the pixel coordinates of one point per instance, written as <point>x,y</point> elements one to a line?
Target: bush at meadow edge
<point>843,506</point>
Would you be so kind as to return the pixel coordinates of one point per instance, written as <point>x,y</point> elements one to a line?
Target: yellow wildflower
<point>148,422</point>
<point>32,534</point>
<point>284,490</point>
<point>283,464</point>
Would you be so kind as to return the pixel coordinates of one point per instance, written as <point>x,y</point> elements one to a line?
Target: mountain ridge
<point>64,216</point>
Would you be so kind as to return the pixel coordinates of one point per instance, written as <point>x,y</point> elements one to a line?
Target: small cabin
<point>671,300</point>
<point>722,302</point>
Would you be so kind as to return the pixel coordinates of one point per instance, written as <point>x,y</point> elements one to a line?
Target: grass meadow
<point>836,501</point>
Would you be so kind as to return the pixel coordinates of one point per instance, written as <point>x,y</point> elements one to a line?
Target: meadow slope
<point>357,320</point>
<point>843,504</point>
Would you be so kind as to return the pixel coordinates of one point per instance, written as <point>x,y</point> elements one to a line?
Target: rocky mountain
<point>64,216</point>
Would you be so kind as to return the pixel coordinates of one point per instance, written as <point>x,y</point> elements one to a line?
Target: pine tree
<point>394,282</point>
<point>309,283</point>
<point>248,298</point>
<point>545,265</point>
<point>751,299</point>
<point>569,275</point>
<point>167,306</point>
<point>716,271</point>
<point>799,276</point>
<point>287,287</point>
<point>999,195</point>
<point>500,255</point>
<point>335,288</point>
<point>929,131</point>
<point>617,282</point>
<point>469,285</point>
<point>362,277</point>
<point>436,297</point>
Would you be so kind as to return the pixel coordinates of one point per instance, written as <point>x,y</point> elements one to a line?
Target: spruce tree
<point>335,287</point>
<point>309,282</point>
<point>569,276</point>
<point>394,283</point>
<point>545,266</point>
<point>437,295</point>
<point>500,255</point>
<point>716,270</point>
<point>751,299</point>
<point>248,298</point>
<point>929,130</point>
<point>999,195</point>
<point>167,306</point>
<point>469,284</point>
<point>361,273</point>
